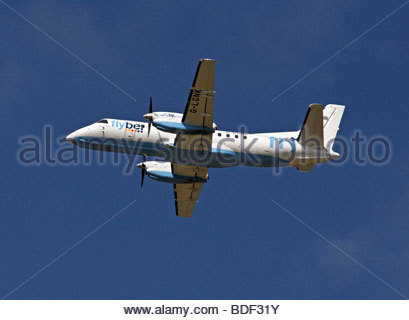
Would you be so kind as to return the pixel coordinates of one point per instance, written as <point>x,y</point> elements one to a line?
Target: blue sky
<point>239,244</point>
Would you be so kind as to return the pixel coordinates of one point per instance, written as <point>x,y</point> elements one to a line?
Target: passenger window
<point>219,134</point>
<point>236,136</point>
<point>244,137</point>
<point>228,135</point>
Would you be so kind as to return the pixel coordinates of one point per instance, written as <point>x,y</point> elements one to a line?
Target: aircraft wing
<point>187,194</point>
<point>198,113</point>
<point>199,107</point>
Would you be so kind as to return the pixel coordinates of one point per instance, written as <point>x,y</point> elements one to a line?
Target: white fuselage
<point>228,148</point>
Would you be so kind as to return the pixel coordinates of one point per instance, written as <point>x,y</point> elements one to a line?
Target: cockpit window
<point>103,121</point>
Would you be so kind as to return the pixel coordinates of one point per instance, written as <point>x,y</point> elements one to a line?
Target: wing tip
<point>316,105</point>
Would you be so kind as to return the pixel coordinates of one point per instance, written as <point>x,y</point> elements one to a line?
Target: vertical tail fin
<point>317,135</point>
<point>312,133</point>
<point>332,118</point>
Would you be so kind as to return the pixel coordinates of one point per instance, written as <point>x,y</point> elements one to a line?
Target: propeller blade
<point>143,169</point>
<point>150,120</point>
<point>142,177</point>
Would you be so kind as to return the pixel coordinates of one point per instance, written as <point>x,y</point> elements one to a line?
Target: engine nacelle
<point>162,171</point>
<point>172,122</point>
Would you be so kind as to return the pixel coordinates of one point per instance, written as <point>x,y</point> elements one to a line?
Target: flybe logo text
<point>128,126</point>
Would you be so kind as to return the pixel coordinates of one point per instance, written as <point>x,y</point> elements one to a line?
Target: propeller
<point>150,118</point>
<point>143,169</point>
<point>142,176</point>
<point>142,166</point>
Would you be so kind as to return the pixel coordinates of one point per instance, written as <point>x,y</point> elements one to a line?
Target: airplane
<point>189,144</point>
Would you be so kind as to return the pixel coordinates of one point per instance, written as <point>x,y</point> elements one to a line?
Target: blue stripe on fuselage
<point>216,159</point>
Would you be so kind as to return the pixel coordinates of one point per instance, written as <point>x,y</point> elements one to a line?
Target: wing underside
<point>199,106</point>
<point>187,194</point>
<point>198,113</point>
